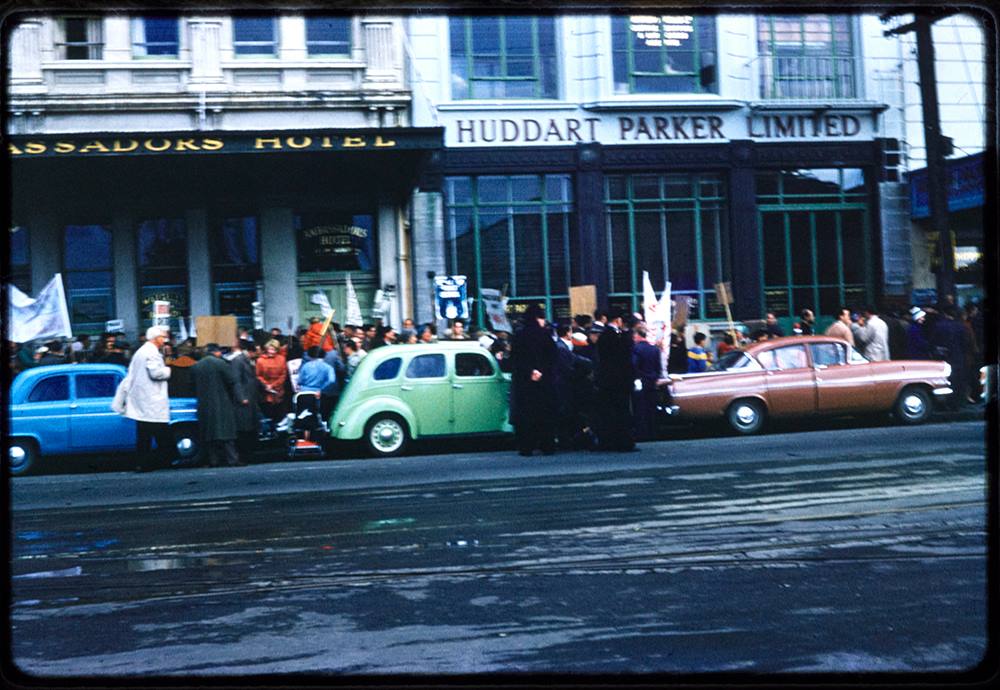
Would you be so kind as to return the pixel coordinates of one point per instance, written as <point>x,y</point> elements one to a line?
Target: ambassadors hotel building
<point>219,160</point>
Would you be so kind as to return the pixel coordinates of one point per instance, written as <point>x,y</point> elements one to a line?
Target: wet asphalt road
<point>849,550</point>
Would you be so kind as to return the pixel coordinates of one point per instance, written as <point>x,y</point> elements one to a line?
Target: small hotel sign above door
<point>186,143</point>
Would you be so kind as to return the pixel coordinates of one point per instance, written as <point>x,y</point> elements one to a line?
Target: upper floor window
<point>156,36</point>
<point>503,57</point>
<point>664,54</point>
<point>255,36</point>
<point>328,35</point>
<point>80,38</point>
<point>806,56</point>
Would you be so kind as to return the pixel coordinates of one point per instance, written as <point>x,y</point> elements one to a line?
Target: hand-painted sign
<point>451,297</point>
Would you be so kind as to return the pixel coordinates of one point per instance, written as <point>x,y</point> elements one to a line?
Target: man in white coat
<point>873,336</point>
<point>142,396</point>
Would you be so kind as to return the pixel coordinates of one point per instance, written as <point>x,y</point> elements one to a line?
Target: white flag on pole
<point>649,304</point>
<point>45,316</point>
<point>319,297</point>
<point>354,317</point>
<point>495,307</point>
<point>183,331</point>
<point>192,332</point>
<point>664,308</point>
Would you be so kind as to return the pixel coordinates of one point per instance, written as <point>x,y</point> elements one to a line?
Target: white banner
<point>182,330</point>
<point>354,317</point>
<point>46,316</point>
<point>319,297</point>
<point>495,306</point>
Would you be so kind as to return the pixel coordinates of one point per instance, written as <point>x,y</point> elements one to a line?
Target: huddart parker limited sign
<point>213,143</point>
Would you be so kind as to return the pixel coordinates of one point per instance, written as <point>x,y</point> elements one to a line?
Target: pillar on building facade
<point>206,61</point>
<point>592,268</point>
<point>279,268</point>
<point>382,54</point>
<point>747,281</point>
<point>199,262</point>
<point>44,238</point>
<point>388,254</point>
<point>26,57</point>
<point>428,245</point>
<point>127,302</point>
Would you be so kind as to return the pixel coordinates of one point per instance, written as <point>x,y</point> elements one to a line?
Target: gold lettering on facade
<point>35,147</point>
<point>275,142</point>
<point>211,144</point>
<point>186,145</point>
<point>295,144</point>
<point>382,143</point>
<point>119,148</point>
<point>14,150</point>
<point>163,146</point>
<point>65,147</point>
<point>326,143</point>
<point>354,142</point>
<point>95,146</point>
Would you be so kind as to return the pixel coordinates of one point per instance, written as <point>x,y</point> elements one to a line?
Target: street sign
<point>451,297</point>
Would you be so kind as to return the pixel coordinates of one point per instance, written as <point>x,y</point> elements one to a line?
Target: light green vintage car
<point>404,392</point>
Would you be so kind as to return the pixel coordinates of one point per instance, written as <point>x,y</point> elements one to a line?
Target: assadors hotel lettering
<point>644,128</point>
<point>130,145</point>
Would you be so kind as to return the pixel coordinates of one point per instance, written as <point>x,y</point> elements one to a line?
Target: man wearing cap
<point>916,337</point>
<point>218,391</point>
<point>142,396</point>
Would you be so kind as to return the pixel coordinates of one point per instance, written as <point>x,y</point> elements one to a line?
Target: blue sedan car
<point>66,410</point>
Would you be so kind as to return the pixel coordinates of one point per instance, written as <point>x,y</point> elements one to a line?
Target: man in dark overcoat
<point>648,369</point>
<point>218,393</point>
<point>247,416</point>
<point>615,382</point>
<point>533,386</point>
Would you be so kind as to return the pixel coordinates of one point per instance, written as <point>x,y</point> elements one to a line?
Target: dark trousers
<point>226,449</point>
<point>146,434</point>
<point>535,432</point>
<point>614,419</point>
<point>644,404</point>
<point>246,444</point>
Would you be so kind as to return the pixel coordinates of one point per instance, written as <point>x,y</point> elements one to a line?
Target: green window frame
<point>815,243</point>
<point>503,57</point>
<point>806,56</point>
<point>673,226</point>
<point>513,230</point>
<point>664,54</point>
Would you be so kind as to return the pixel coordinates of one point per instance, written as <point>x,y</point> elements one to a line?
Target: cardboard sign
<point>161,313</point>
<point>495,306</point>
<point>114,326</point>
<point>723,293</point>
<point>216,329</point>
<point>582,299</point>
<point>681,306</point>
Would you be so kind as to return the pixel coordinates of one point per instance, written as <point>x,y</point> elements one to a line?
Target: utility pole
<point>937,172</point>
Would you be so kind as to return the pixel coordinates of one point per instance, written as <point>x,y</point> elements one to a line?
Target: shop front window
<point>235,251</point>
<point>815,241</point>
<point>88,275</point>
<point>664,54</point>
<point>163,272</point>
<point>503,57</point>
<point>515,234</point>
<point>806,56</point>
<point>673,227</point>
<point>20,259</point>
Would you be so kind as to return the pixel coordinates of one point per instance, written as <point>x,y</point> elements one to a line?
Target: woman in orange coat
<point>272,373</point>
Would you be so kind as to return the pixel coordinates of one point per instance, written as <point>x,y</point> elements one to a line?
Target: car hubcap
<point>17,456</point>
<point>746,415</point>
<point>914,405</point>
<point>387,435</point>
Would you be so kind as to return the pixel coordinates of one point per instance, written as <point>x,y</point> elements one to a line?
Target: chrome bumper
<point>943,391</point>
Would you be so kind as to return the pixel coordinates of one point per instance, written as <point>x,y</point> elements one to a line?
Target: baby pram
<point>305,425</point>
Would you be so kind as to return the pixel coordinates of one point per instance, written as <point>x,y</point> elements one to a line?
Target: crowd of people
<point>591,383</point>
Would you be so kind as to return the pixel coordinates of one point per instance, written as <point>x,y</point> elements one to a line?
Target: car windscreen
<point>735,360</point>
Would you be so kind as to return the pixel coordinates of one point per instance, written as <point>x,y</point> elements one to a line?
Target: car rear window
<point>472,364</point>
<point>426,367</point>
<point>50,389</point>
<point>96,385</point>
<point>388,369</point>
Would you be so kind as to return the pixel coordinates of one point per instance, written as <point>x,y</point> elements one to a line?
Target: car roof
<point>29,376</point>
<point>427,348</point>
<point>756,348</point>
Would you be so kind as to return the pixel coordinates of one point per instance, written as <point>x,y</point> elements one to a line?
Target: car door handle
<point>819,367</point>
<point>406,388</point>
<point>457,385</point>
<point>73,406</point>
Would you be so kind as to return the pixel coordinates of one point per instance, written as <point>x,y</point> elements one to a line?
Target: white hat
<point>917,313</point>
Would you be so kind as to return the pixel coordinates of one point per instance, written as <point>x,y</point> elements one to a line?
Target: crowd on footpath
<point>591,383</point>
